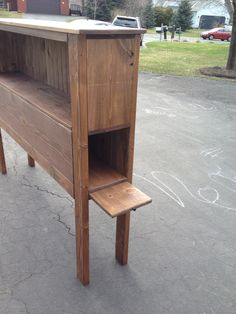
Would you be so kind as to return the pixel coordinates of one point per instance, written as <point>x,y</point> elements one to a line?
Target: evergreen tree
<point>163,15</point>
<point>89,9</point>
<point>103,11</point>
<point>184,15</point>
<point>148,19</point>
<point>98,10</point>
<point>116,3</point>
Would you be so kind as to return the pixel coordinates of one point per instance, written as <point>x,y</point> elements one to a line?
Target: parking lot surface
<point>182,247</point>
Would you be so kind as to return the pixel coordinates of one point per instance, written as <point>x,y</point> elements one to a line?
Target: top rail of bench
<point>78,26</point>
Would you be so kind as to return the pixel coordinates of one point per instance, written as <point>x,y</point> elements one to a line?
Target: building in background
<point>209,14</point>
<point>58,7</point>
<point>206,13</point>
<point>11,5</point>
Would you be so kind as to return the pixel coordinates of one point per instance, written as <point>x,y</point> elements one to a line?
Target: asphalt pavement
<point>182,247</point>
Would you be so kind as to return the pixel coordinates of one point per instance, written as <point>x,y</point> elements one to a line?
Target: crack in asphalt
<point>59,218</point>
<point>37,187</point>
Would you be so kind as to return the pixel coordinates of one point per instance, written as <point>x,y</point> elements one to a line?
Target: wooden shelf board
<point>102,176</point>
<point>119,199</point>
<point>48,100</point>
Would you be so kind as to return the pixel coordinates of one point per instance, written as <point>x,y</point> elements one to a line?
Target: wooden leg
<point>82,240</point>
<point>122,238</point>
<point>31,162</point>
<point>3,167</point>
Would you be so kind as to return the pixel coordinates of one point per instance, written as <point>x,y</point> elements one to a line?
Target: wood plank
<point>8,54</point>
<point>123,221</point>
<point>37,27</point>
<point>41,59</point>
<point>41,159</point>
<point>47,34</point>
<point>119,199</point>
<point>3,167</point>
<point>45,98</point>
<point>102,176</point>
<point>78,90</point>
<point>39,134</point>
<point>110,92</point>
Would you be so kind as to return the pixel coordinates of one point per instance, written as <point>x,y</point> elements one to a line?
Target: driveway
<point>156,37</point>
<point>182,246</point>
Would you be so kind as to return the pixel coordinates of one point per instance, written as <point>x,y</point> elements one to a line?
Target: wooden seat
<point>120,199</point>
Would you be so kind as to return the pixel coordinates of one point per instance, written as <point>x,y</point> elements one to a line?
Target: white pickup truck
<point>128,21</point>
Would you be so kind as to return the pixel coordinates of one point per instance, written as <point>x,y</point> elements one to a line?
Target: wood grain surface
<point>110,72</point>
<point>120,198</point>
<point>43,135</point>
<point>78,90</point>
<point>81,26</point>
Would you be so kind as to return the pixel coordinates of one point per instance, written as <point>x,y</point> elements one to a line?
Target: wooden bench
<point>68,97</point>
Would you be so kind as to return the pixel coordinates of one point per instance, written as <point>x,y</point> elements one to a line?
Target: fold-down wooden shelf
<point>119,199</point>
<point>68,97</point>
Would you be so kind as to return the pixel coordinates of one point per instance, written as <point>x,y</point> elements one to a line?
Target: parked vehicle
<point>75,10</point>
<point>217,33</point>
<point>128,21</point>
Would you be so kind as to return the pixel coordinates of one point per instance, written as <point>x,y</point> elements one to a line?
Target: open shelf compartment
<point>108,159</point>
<point>45,98</point>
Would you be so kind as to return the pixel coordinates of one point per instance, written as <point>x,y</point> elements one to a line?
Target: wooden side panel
<point>109,79</point>
<point>47,141</point>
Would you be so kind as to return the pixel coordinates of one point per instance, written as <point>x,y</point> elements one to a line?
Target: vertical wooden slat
<point>3,167</point>
<point>123,222</point>
<point>77,46</point>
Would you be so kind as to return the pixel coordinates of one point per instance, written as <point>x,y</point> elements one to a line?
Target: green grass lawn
<point>7,14</point>
<point>182,58</point>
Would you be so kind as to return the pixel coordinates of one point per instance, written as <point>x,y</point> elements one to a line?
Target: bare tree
<point>231,63</point>
<point>230,8</point>
<point>134,7</point>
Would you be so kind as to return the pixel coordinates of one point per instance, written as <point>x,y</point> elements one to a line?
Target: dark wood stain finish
<point>68,97</point>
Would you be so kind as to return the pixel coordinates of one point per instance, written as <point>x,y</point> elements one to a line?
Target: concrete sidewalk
<point>182,247</point>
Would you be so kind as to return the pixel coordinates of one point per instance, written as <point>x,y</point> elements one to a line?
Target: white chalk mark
<point>209,189</point>
<point>206,201</point>
<point>212,152</point>
<point>160,113</point>
<point>218,177</point>
<point>165,189</point>
<point>168,114</point>
<point>162,108</point>
<point>204,108</point>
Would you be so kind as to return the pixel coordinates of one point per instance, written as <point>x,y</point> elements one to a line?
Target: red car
<point>217,33</point>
